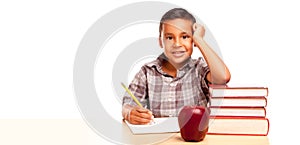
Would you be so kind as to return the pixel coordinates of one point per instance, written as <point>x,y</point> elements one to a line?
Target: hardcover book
<point>238,111</point>
<point>226,91</point>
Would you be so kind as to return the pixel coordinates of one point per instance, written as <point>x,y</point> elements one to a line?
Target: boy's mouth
<point>178,53</point>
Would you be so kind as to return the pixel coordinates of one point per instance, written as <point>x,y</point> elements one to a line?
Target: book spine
<point>219,91</point>
<point>238,111</point>
<point>219,102</point>
<point>238,96</point>
<point>241,134</point>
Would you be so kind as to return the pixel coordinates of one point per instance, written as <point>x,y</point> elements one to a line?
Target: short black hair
<point>176,13</point>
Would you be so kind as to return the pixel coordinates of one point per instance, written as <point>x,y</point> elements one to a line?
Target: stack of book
<point>238,110</point>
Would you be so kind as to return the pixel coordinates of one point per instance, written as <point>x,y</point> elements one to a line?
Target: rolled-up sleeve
<point>203,70</point>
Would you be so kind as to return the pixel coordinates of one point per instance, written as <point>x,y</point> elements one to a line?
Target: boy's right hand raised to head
<point>140,115</point>
<point>199,31</point>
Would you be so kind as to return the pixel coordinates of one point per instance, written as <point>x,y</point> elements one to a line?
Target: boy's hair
<point>176,13</point>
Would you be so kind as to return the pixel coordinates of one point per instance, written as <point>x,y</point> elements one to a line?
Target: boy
<point>174,79</point>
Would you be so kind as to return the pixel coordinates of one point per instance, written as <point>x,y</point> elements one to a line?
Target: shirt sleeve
<point>138,88</point>
<point>203,71</point>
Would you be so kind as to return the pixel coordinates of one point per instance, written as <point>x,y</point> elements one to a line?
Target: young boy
<point>174,79</point>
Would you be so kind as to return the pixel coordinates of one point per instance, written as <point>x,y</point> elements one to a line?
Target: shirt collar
<point>158,64</point>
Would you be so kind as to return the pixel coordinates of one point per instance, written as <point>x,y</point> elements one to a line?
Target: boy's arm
<point>219,73</point>
<point>131,111</point>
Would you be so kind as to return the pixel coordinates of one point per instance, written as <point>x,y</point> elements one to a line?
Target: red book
<point>238,101</point>
<point>238,111</point>
<point>227,91</point>
<point>239,126</point>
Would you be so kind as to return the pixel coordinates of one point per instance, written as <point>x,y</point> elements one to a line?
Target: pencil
<point>132,96</point>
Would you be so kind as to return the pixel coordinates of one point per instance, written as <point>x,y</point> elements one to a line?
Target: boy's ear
<point>160,42</point>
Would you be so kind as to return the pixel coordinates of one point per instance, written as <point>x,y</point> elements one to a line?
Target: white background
<point>38,43</point>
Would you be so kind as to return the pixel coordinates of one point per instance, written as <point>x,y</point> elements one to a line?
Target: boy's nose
<point>177,43</point>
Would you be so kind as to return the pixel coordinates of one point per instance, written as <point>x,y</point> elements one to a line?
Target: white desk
<point>76,132</point>
<point>175,139</point>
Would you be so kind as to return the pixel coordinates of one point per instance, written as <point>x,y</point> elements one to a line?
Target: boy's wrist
<point>128,115</point>
<point>126,112</point>
<point>198,40</point>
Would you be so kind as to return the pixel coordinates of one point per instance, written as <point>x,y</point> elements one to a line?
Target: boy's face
<point>177,41</point>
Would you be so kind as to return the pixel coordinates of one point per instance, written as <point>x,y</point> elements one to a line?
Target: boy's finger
<point>139,120</point>
<point>142,113</point>
<point>142,110</point>
<point>146,115</point>
<point>194,26</point>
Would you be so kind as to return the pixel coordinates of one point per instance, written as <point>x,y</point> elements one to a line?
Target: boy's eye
<point>169,37</point>
<point>185,37</point>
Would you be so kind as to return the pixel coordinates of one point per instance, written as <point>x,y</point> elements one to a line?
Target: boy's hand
<point>140,115</point>
<point>199,31</point>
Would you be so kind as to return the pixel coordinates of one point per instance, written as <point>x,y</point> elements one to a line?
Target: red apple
<point>193,122</point>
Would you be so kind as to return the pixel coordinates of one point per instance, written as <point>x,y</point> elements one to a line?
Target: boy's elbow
<point>227,78</point>
<point>223,80</point>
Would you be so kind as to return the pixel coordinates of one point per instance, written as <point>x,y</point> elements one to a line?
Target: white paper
<point>160,125</point>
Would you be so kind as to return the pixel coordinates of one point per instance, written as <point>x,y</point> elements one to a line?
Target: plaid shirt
<point>165,95</point>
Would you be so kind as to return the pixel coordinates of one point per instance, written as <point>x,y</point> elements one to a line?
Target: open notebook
<point>160,125</point>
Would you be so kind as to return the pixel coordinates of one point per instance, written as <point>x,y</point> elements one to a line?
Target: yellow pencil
<point>132,96</point>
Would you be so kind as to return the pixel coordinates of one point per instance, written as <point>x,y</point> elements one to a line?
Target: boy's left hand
<point>199,31</point>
